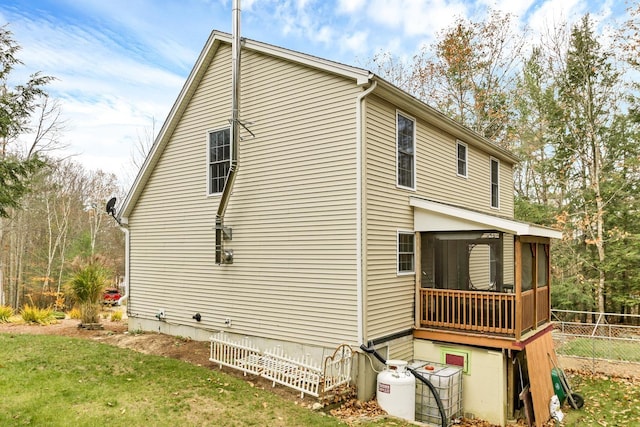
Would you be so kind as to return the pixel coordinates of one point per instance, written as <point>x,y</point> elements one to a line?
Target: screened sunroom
<point>481,279</point>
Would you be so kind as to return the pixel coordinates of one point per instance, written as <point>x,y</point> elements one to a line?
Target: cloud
<point>416,17</point>
<point>350,6</point>
<point>518,8</point>
<point>106,92</point>
<point>355,42</point>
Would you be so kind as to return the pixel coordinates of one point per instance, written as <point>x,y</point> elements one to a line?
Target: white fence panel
<point>300,374</point>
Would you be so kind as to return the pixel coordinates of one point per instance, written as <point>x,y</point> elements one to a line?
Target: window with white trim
<point>405,151</point>
<point>461,149</point>
<point>495,183</point>
<point>219,159</point>
<point>406,252</point>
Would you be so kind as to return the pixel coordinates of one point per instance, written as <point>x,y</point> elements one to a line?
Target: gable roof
<point>360,76</point>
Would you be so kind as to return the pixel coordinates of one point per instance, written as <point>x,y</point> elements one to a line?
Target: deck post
<point>518,267</point>
<point>418,272</point>
<point>534,284</point>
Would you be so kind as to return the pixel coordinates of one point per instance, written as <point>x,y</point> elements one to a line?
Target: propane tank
<point>397,390</point>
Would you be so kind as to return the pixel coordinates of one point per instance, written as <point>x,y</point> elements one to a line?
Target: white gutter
<point>360,225</point>
<point>126,266</point>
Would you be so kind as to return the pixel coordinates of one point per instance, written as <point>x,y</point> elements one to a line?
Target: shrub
<point>74,313</point>
<point>87,286</point>
<point>5,313</point>
<point>59,315</point>
<point>89,312</point>
<point>41,316</point>
<point>116,316</point>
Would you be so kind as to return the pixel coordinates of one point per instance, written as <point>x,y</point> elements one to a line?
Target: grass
<point>603,349</point>
<point>33,314</point>
<point>5,313</point>
<point>61,381</point>
<point>608,402</point>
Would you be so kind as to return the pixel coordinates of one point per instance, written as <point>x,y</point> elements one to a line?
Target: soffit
<point>434,216</point>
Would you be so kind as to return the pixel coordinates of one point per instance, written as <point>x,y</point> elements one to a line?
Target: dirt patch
<point>603,367</point>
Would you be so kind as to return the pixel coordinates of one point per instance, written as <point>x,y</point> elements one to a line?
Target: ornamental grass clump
<point>87,286</point>
<point>5,313</point>
<point>75,313</point>
<point>33,314</point>
<point>116,316</point>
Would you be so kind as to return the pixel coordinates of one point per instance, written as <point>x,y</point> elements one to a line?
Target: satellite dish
<point>111,210</point>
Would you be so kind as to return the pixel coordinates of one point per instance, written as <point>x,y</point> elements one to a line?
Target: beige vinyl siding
<point>438,179</point>
<point>479,267</point>
<point>292,210</point>
<point>390,297</point>
<point>401,348</point>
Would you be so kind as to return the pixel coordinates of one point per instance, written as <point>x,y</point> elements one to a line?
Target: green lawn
<point>61,381</point>
<point>53,381</point>
<point>602,349</point>
<point>607,402</point>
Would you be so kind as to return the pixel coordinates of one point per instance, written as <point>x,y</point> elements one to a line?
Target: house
<point>357,214</point>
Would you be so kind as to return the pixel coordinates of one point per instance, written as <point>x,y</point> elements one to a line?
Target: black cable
<point>443,415</point>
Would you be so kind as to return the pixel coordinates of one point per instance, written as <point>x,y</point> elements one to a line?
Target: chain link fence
<point>599,337</point>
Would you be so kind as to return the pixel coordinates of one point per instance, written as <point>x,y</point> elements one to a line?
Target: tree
<point>537,111</point>
<point>589,150</point>
<point>468,73</point>
<point>17,105</point>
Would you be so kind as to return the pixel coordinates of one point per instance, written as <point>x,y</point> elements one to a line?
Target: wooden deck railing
<point>468,311</point>
<point>542,305</point>
<point>527,310</point>
<point>483,312</point>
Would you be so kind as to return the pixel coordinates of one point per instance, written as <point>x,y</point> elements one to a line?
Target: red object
<point>111,296</point>
<point>454,359</point>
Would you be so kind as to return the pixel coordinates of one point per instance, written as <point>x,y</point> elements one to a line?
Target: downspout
<point>359,213</point>
<point>226,256</point>
<point>125,230</point>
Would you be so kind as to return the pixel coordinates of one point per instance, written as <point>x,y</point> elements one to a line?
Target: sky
<point>119,65</point>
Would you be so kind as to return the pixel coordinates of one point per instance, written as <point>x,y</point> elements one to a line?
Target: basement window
<point>219,159</point>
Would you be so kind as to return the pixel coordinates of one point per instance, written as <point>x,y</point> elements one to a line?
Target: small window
<point>495,183</point>
<point>462,159</point>
<point>406,252</point>
<point>405,144</point>
<point>219,159</point>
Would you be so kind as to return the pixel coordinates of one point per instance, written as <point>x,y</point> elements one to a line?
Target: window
<point>405,252</point>
<point>527,265</point>
<point>405,151</point>
<point>462,159</point>
<point>535,259</point>
<point>219,159</point>
<point>470,260</point>
<point>495,183</point>
<point>543,265</point>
